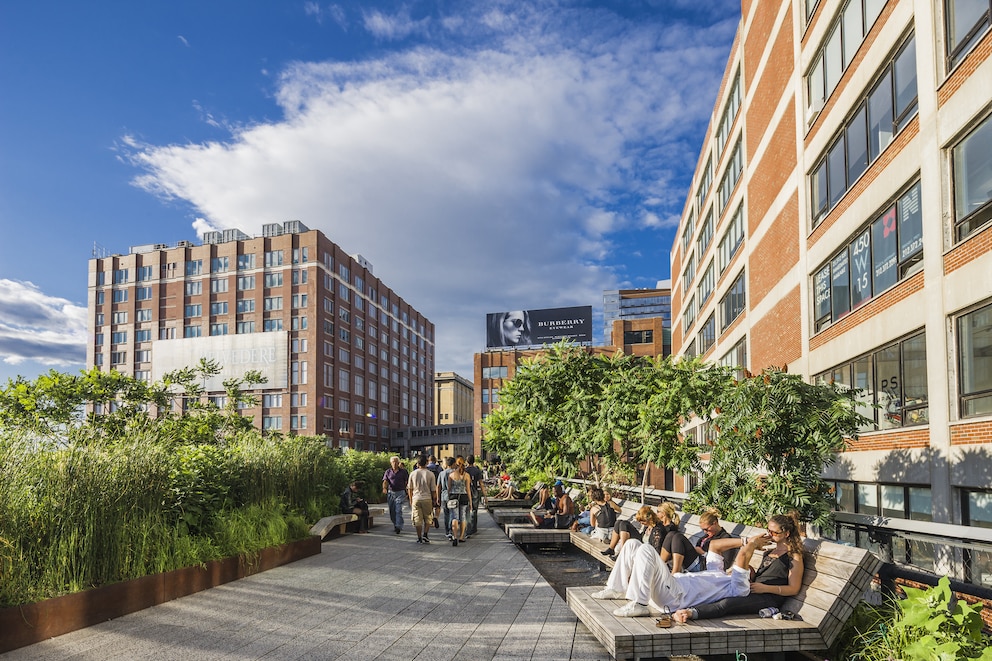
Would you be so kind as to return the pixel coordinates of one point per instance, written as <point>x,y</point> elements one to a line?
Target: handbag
<point>453,504</point>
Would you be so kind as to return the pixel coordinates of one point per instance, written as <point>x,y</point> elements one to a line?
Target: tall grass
<point>80,516</point>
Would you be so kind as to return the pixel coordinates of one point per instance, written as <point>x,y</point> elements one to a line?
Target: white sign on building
<point>236,354</point>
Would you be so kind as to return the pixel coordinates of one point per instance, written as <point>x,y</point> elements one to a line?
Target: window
<point>736,358</point>
<point>689,273</point>
<point>343,292</point>
<point>273,279</point>
<point>876,258</point>
<point>194,267</point>
<point>244,327</point>
<point>120,296</point>
<point>120,276</point>
<point>218,329</point>
<point>119,317</point>
<point>298,399</point>
<point>167,333</point>
<point>144,273</point>
<point>976,510</point>
<point>299,323</point>
<point>119,337</point>
<point>732,304</point>
<point>218,285</point>
<point>967,20</point>
<point>143,356</point>
<point>707,334</point>
<point>706,283</point>
<point>219,265</point>
<point>271,325</point>
<point>273,258</point>
<point>299,345</point>
<point>194,288</point>
<point>245,305</point>
<point>705,179</point>
<point>729,113</point>
<point>142,315</point>
<point>972,174</point>
<point>705,234</point>
<point>299,301</point>
<point>883,113</point>
<point>193,310</point>
<point>270,401</point>
<point>299,277</point>
<point>730,177</point>
<point>732,239</point>
<point>246,262</point>
<point>893,380</point>
<point>297,422</point>
<point>192,331</point>
<point>143,293</point>
<point>272,422</point>
<point>218,308</point>
<point>99,298</point>
<point>688,316</point>
<point>272,303</point>
<point>638,337</point>
<point>974,340</point>
<point>345,272</point>
<point>344,356</point>
<point>344,315</point>
<point>118,357</point>
<point>246,282</point>
<point>144,335</point>
<point>344,381</point>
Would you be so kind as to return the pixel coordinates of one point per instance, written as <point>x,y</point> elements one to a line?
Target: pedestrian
<point>422,491</point>
<point>433,466</point>
<point>459,501</point>
<point>353,503</point>
<point>442,488</point>
<point>394,482</point>
<point>475,473</point>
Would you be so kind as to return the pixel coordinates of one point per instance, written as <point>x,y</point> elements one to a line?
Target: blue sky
<point>481,155</point>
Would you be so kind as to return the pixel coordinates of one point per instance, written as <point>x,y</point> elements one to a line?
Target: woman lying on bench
<point>642,577</point>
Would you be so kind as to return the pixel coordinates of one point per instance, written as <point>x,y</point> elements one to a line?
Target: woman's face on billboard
<point>513,326</point>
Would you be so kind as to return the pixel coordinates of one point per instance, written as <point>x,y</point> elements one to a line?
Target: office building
<point>345,356</point>
<point>838,224</point>
<point>621,304</point>
<point>452,399</point>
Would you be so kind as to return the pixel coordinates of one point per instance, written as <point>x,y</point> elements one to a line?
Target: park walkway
<point>375,596</point>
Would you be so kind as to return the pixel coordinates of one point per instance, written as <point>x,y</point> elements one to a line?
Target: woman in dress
<point>459,500</point>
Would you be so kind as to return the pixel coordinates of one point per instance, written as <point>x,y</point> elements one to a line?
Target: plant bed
<point>31,623</point>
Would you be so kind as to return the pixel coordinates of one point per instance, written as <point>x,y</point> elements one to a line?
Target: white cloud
<point>40,328</point>
<point>475,179</point>
<point>392,26</point>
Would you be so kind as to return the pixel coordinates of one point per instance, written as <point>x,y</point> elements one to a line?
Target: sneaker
<point>632,609</point>
<point>449,536</point>
<point>426,541</point>
<point>607,593</point>
<point>397,530</point>
<point>454,542</point>
<point>420,540</point>
<point>607,552</point>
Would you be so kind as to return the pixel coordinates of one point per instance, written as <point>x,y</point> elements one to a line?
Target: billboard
<point>266,352</point>
<point>528,328</point>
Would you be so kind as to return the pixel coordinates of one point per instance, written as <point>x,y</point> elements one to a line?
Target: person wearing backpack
<point>475,473</point>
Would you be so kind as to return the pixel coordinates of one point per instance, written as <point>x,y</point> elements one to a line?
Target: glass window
<point>904,80</point>
<point>966,20</point>
<point>733,303</point>
<point>860,269</point>
<point>864,380</point>
<point>920,504</point>
<point>857,145</point>
<point>836,171</point>
<point>853,30</point>
<point>914,381</point>
<point>975,362</point>
<point>883,247</point>
<point>707,334</point>
<point>972,161</point>
<point>840,289</point>
<point>893,501</point>
<point>246,262</point>
<point>880,124</point>
<point>867,499</point>
<point>888,385</point>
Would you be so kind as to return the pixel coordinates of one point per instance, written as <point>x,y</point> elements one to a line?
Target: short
<point>423,512</point>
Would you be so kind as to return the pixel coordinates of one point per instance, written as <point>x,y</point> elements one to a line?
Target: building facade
<point>345,356</point>
<point>838,224</point>
<point>452,399</point>
<point>636,304</point>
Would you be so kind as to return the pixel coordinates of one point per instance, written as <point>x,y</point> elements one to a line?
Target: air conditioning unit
<point>161,246</point>
<point>184,244</point>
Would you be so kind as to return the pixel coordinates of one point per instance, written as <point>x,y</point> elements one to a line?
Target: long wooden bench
<point>506,515</point>
<point>326,525</point>
<point>834,580</point>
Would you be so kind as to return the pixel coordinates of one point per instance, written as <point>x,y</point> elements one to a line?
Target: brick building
<point>839,224</point>
<point>345,355</point>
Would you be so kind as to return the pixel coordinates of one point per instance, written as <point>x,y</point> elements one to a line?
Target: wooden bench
<point>834,580</point>
<point>506,515</point>
<point>326,525</point>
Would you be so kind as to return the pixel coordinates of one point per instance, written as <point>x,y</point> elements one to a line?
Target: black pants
<point>748,605</point>
<point>362,510</point>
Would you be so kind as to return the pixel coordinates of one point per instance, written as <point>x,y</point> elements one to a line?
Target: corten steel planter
<point>31,623</point>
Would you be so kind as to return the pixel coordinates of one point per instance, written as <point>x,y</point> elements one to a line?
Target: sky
<point>482,155</point>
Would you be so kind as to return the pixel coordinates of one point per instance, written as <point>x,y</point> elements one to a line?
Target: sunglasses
<point>517,323</point>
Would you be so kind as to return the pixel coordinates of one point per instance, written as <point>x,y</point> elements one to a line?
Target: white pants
<point>640,573</point>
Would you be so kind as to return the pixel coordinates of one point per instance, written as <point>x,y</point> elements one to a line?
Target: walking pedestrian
<point>442,488</point>
<point>394,482</point>
<point>475,473</point>
<point>459,500</point>
<point>422,491</point>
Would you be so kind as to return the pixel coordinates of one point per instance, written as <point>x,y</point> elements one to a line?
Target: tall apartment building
<point>345,356</point>
<point>620,304</point>
<point>839,224</point>
<point>452,399</point>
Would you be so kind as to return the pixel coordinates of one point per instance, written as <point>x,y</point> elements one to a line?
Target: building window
<point>246,305</point>
<point>193,310</point>
<point>244,327</point>
<point>707,334</point>
<point>874,260</point>
<point>735,165</point>
<point>689,274</point>
<point>299,345</point>
<point>729,113</point>
<point>344,381</point>
<point>705,234</point>
<point>219,265</point>
<point>194,288</point>
<point>638,337</point>
<point>192,331</point>
<point>300,276</point>
<point>218,329</point>
<point>880,116</point>
<point>975,362</point>
<point>297,422</point>
<point>972,176</point>
<point>967,21</point>
<point>119,337</point>
<point>705,179</point>
<point>732,304</point>
<point>892,381</point>
<point>118,357</point>
<point>271,325</point>
<point>119,317</point>
<point>299,323</point>
<point>144,335</point>
<point>120,276</point>
<point>298,399</point>
<point>272,422</point>
<point>246,262</point>
<point>732,239</point>
<point>246,282</point>
<point>120,296</point>
<point>143,293</point>
<point>299,301</point>
<point>270,303</point>
<point>194,267</point>
<point>144,273</point>
<point>273,279</point>
<point>343,292</point>
<point>736,358</point>
<point>706,284</point>
<point>218,285</point>
<point>688,316</point>
<point>142,315</point>
<point>218,308</point>
<point>976,510</point>
<point>272,401</point>
<point>143,356</point>
<point>273,258</point>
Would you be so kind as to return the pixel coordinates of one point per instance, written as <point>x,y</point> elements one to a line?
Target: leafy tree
<point>776,433</point>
